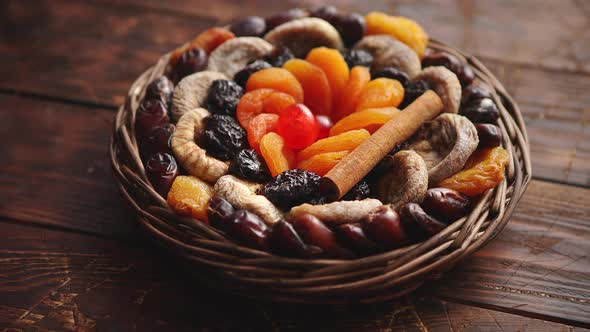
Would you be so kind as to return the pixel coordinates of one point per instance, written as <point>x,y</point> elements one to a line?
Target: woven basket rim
<point>263,275</point>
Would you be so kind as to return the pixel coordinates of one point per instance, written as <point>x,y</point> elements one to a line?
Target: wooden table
<point>72,257</point>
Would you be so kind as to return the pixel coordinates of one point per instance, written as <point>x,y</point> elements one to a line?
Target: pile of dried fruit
<point>247,120</point>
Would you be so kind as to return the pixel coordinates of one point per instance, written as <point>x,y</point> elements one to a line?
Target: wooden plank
<point>53,280</point>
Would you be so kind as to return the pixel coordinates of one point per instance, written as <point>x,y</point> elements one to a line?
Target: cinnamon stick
<point>359,162</point>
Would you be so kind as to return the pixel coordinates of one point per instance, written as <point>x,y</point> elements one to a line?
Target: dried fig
<point>405,179</point>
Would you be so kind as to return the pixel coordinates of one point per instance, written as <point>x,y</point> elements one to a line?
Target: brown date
<point>418,222</point>
<point>383,225</point>
<point>314,232</point>
<point>219,212</point>
<point>285,241</point>
<point>249,229</point>
<point>353,236</point>
<point>489,135</point>
<point>445,204</point>
<point>161,169</point>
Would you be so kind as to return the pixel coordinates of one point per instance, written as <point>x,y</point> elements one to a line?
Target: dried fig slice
<point>446,85</point>
<point>405,179</point>
<point>304,34</point>
<point>390,52</point>
<point>341,212</point>
<point>445,144</point>
<point>191,92</point>
<point>234,54</point>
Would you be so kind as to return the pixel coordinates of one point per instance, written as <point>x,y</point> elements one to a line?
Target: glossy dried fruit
<point>314,232</point>
<point>381,92</point>
<point>279,56</point>
<point>223,97</point>
<point>383,225</point>
<point>403,29</point>
<point>347,141</point>
<point>249,229</point>
<point>489,135</point>
<point>261,101</point>
<point>157,141</point>
<point>249,26</point>
<point>277,155</point>
<point>316,88</point>
<point>418,223</point>
<point>243,75</point>
<point>413,91</point>
<point>259,126</point>
<point>291,188</point>
<point>325,123</point>
<point>481,110</point>
<point>284,17</point>
<point>189,196</point>
<point>351,26</point>
<point>193,60</point>
<point>359,192</point>
<point>162,89</point>
<point>353,236</point>
<point>347,103</point>
<point>390,52</point>
<point>161,169</point>
<point>474,92</point>
<point>451,62</point>
<point>445,204</point>
<point>248,165</point>
<point>219,212</point>
<point>151,113</point>
<point>394,74</point>
<point>297,126</point>
<point>278,79</point>
<point>483,171</point>
<point>333,64</point>
<point>369,119</point>
<point>209,39</point>
<point>223,137</point>
<point>284,240</point>
<point>322,163</point>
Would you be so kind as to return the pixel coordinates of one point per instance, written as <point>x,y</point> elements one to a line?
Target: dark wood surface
<point>73,259</point>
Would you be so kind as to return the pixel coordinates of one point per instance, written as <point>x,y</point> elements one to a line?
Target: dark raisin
<point>191,61</point>
<point>223,137</point>
<point>150,114</point>
<point>360,191</point>
<point>161,88</point>
<point>249,26</point>
<point>474,92</point>
<point>358,58</point>
<point>481,110</point>
<point>278,56</point>
<point>413,91</point>
<point>219,212</point>
<point>161,169</point>
<point>292,188</point>
<point>394,74</point>
<point>158,140</point>
<point>351,27</point>
<point>284,17</point>
<point>248,165</point>
<point>223,97</point>
<point>243,75</point>
<point>445,204</point>
<point>489,135</point>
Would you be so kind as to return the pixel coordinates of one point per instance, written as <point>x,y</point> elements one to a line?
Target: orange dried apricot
<point>277,79</point>
<point>381,92</point>
<point>261,101</point>
<point>317,94</point>
<point>370,119</point>
<point>346,104</point>
<point>333,64</point>
<point>322,163</point>
<point>404,29</point>
<point>344,142</point>
<point>189,195</point>
<point>259,126</point>
<point>208,40</point>
<point>277,155</point>
<point>483,170</point>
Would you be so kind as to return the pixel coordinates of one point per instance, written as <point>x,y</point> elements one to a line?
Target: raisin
<point>358,58</point>
<point>249,26</point>
<point>223,137</point>
<point>413,91</point>
<point>360,191</point>
<point>243,75</point>
<point>161,89</point>
<point>191,61</point>
<point>481,110</point>
<point>248,165</point>
<point>223,97</point>
<point>292,188</point>
<point>278,56</point>
<point>394,74</point>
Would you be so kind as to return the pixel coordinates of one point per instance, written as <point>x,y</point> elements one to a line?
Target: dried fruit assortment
<point>247,121</point>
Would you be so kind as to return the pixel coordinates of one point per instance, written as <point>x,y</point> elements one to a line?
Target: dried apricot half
<point>322,163</point>
<point>277,155</point>
<point>335,67</point>
<point>189,196</point>
<point>261,101</point>
<point>370,119</point>
<point>317,94</point>
<point>344,142</point>
<point>404,29</point>
<point>346,104</point>
<point>259,126</point>
<point>381,92</point>
<point>277,79</point>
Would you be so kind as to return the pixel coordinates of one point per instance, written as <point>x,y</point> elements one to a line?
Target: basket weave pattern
<point>220,262</point>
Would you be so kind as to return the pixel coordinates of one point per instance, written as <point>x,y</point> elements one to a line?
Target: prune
<point>249,229</point>
<point>398,147</point>
<point>481,110</point>
<point>354,237</point>
<point>158,140</point>
<point>284,240</point>
<point>223,97</point>
<point>223,137</point>
<point>358,58</point>
<point>359,192</point>
<point>292,187</point>
<point>489,135</point>
<point>284,17</point>
<point>249,26</point>
<point>446,205</point>
<point>162,89</point>
<point>150,114</point>
<point>191,61</point>
<point>243,75</point>
<point>413,91</point>
<point>395,74</point>
<point>278,56</point>
<point>161,169</point>
<point>314,232</point>
<point>219,212</point>
<point>352,27</point>
<point>419,223</point>
<point>383,225</point>
<point>248,165</point>
<point>474,92</point>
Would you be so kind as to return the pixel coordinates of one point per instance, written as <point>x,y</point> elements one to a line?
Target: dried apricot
<point>277,155</point>
<point>278,79</point>
<point>370,119</point>
<point>189,195</point>
<point>335,67</point>
<point>261,101</point>
<point>322,163</point>
<point>316,88</point>
<point>344,142</point>
<point>259,126</point>
<point>404,29</point>
<point>483,170</point>
<point>381,92</point>
<point>208,40</point>
<point>346,104</point>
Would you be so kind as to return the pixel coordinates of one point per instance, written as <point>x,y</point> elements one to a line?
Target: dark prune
<point>223,137</point>
<point>398,147</point>
<point>383,225</point>
<point>158,140</point>
<point>161,169</point>
<point>248,165</point>
<point>353,236</point>
<point>284,17</point>
<point>249,26</point>
<point>326,13</point>
<point>278,56</point>
<point>481,110</point>
<point>292,187</point>
<point>358,58</point>
<point>284,240</point>
<point>161,88</point>
<point>223,97</point>
<point>413,91</point>
<point>360,191</point>
<point>243,75</point>
<point>219,212</point>
<point>445,204</point>
<point>489,135</point>
<point>191,61</point>
<point>351,27</point>
<point>249,229</point>
<point>150,114</point>
<point>474,92</point>
<point>314,232</point>
<point>394,74</point>
<point>464,73</point>
<point>419,223</point>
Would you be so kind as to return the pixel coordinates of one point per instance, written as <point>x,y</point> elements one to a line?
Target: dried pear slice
<point>335,213</point>
<point>405,179</point>
<point>446,85</point>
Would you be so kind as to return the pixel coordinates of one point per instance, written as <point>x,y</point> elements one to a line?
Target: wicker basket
<point>240,270</point>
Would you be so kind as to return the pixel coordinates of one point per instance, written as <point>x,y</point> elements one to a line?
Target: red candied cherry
<point>325,124</point>
<point>298,126</point>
